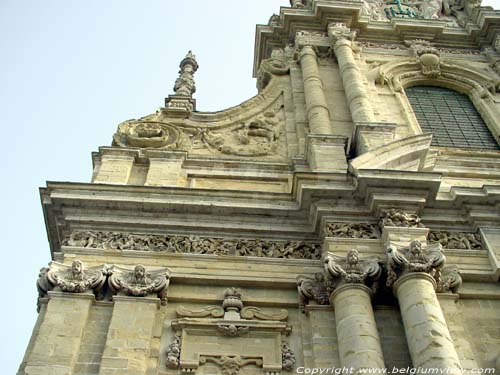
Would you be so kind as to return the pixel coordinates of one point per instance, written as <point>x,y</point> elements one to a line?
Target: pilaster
<point>57,344</point>
<point>127,348</point>
<point>114,169</point>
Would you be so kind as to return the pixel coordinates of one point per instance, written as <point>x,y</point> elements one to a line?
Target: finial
<point>182,102</point>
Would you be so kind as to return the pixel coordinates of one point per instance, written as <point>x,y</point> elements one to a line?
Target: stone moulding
<point>193,245</point>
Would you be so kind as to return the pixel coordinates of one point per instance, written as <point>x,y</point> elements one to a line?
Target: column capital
<point>353,270</point>
<point>414,259</point>
<point>308,50</point>
<point>340,34</point>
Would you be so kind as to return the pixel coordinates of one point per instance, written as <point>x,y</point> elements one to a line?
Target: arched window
<point>451,117</point>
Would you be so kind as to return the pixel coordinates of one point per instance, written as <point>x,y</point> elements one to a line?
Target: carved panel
<point>352,230</point>
<point>243,336</point>
<point>457,240</point>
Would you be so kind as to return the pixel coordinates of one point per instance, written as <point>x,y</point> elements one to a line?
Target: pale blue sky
<point>70,71</point>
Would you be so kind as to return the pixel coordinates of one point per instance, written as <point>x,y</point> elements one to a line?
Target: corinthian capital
<point>339,32</point>
<point>414,259</point>
<point>353,270</point>
<point>138,282</point>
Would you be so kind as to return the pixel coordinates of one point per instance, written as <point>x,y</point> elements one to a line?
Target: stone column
<point>411,272</point>
<point>357,334</point>
<point>127,348</point>
<point>57,343</point>
<point>318,113</point>
<point>357,97</point>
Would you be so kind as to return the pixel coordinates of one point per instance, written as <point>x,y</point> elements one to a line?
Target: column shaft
<point>358,339</point>
<point>357,97</point>
<point>317,110</point>
<point>426,331</point>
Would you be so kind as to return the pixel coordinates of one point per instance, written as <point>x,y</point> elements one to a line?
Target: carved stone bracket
<point>352,230</point>
<point>414,259</point>
<point>239,330</point>
<point>139,282</point>
<point>353,270</point>
<point>317,290</point>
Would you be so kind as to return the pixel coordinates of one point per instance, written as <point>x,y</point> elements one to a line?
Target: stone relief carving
<point>450,280</point>
<point>399,218</point>
<point>74,278</point>
<point>174,353</point>
<point>139,282</point>
<point>287,357</point>
<point>193,245</point>
<point>259,135</point>
<point>232,330</point>
<point>427,56</point>
<point>457,240</point>
<point>231,365</point>
<point>300,4</point>
<point>353,270</point>
<point>317,290</point>
<point>243,326</point>
<point>352,230</point>
<point>414,259</point>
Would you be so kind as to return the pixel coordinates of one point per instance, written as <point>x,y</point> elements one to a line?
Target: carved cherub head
<point>416,249</point>
<point>77,270</point>
<point>139,274</point>
<point>353,258</point>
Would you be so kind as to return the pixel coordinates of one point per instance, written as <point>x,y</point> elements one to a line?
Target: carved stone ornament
<point>427,56</point>
<point>74,278</point>
<point>352,230</point>
<point>317,290</point>
<point>174,353</point>
<point>139,282</point>
<point>147,134</point>
<point>231,365</point>
<point>457,240</point>
<point>299,4</point>
<point>252,136</point>
<point>449,280</point>
<point>399,218</point>
<point>277,64</point>
<point>184,86</point>
<point>194,245</point>
<point>287,357</point>
<point>340,32</point>
<point>414,259</point>
<point>252,336</point>
<point>353,270</point>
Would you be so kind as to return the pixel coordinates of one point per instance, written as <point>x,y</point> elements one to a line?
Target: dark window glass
<point>451,117</point>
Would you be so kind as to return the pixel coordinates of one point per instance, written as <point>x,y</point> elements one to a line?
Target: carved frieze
<point>414,259</point>
<point>399,218</point>
<point>456,240</point>
<point>353,270</point>
<point>139,282</point>
<point>194,245</point>
<point>352,230</point>
<point>317,290</point>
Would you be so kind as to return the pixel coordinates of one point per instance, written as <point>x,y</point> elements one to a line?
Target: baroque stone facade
<point>314,225</point>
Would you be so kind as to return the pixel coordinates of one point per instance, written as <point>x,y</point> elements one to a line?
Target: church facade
<point>345,218</point>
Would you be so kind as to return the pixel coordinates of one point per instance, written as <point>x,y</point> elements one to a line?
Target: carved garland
<point>194,245</point>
